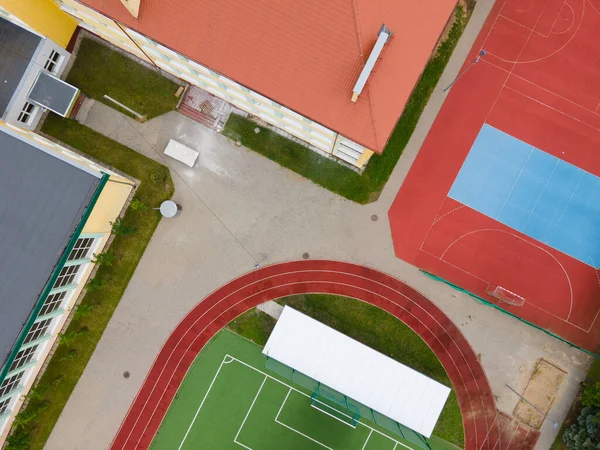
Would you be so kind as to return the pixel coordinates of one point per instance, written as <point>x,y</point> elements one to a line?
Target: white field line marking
<point>332,416</point>
<point>202,403</point>
<point>243,445</point>
<point>248,412</point>
<point>282,405</point>
<point>308,396</point>
<point>395,445</point>
<point>293,429</point>
<point>368,437</point>
<point>523,240</point>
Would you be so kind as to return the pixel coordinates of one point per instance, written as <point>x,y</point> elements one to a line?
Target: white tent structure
<point>357,371</point>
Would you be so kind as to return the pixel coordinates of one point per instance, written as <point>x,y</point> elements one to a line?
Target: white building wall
<point>36,65</point>
<point>218,85</point>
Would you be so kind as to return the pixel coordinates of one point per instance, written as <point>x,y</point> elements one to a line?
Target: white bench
<point>181,153</point>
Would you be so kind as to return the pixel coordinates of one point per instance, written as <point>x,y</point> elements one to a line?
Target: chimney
<point>382,38</point>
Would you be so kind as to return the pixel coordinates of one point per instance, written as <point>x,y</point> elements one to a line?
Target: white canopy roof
<point>357,371</point>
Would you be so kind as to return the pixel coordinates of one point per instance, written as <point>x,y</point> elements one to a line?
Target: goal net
<point>504,295</point>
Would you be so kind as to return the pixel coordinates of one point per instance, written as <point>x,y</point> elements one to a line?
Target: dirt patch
<point>541,391</point>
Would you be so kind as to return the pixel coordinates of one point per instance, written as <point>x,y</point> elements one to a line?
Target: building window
<point>4,406</point>
<point>23,357</point>
<point>10,384</point>
<point>53,62</point>
<point>37,330</point>
<point>27,113</point>
<point>53,302</point>
<point>81,249</point>
<point>67,276</point>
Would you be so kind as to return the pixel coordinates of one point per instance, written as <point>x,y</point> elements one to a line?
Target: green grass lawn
<point>373,327</point>
<point>363,188</point>
<point>229,399</point>
<point>592,377</point>
<point>48,398</point>
<point>99,71</point>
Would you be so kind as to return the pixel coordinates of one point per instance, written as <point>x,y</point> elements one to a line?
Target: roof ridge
<point>358,33</point>
<point>368,90</point>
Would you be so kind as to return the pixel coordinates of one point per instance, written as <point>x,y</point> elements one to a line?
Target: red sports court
<point>503,198</point>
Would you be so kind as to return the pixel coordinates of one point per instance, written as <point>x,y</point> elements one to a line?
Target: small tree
<point>138,205</point>
<point>585,433</point>
<point>104,259</point>
<point>119,228</point>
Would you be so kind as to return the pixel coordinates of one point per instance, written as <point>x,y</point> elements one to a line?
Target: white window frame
<point>54,62</point>
<point>69,273</point>
<point>7,387</point>
<point>20,361</point>
<point>5,406</point>
<point>27,113</point>
<point>85,243</point>
<point>54,301</point>
<point>43,325</point>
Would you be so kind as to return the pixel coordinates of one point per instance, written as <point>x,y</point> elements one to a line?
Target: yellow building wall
<point>43,16</point>
<point>108,206</point>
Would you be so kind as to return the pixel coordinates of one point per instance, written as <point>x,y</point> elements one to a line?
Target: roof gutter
<point>53,277</point>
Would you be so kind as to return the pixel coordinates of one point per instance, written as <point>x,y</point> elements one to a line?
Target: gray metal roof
<point>17,47</point>
<point>52,93</point>
<point>42,199</point>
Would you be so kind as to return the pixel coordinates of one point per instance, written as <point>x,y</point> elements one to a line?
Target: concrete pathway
<point>241,209</point>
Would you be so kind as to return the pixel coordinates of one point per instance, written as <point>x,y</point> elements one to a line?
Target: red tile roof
<point>304,54</point>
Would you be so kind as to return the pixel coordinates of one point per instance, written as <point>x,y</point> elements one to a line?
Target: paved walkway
<point>241,209</point>
<point>484,427</point>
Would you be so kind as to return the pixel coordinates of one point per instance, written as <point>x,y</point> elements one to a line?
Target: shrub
<point>18,440</point>
<point>591,395</point>
<point>138,205</point>
<point>120,228</point>
<point>95,284</point>
<point>585,433</point>
<point>104,259</point>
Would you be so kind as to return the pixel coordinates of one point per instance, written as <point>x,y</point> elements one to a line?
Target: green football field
<point>229,400</point>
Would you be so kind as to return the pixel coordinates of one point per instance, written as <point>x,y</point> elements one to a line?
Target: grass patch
<point>48,398</point>
<point>100,71</point>
<point>254,325</point>
<point>592,377</point>
<point>363,188</point>
<point>373,327</point>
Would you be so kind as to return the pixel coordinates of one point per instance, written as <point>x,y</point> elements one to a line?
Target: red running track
<point>485,428</point>
<point>538,83</point>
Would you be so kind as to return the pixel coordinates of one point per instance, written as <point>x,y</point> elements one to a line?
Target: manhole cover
<point>305,256</point>
<point>126,374</point>
<point>374,217</point>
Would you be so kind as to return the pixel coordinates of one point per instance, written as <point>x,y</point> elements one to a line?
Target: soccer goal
<point>504,295</point>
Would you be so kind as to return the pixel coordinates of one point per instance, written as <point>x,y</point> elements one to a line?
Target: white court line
<point>293,429</point>
<point>203,400</point>
<point>368,437</point>
<point>332,416</point>
<point>248,413</point>
<point>308,396</point>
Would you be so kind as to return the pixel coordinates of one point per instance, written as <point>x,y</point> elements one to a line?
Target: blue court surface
<point>533,192</point>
